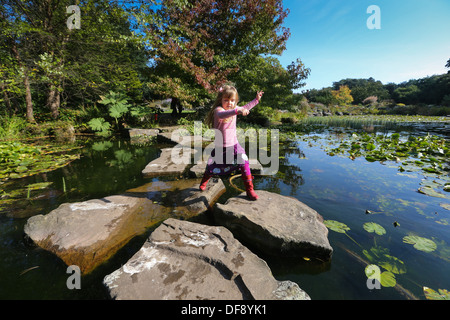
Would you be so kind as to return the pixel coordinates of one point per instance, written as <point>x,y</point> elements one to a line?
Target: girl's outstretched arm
<point>221,113</point>
<point>253,103</point>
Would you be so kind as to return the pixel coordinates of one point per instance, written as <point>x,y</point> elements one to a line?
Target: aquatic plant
<point>431,294</point>
<point>374,227</point>
<point>420,243</point>
<point>19,160</point>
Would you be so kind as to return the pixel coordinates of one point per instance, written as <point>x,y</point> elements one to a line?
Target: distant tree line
<point>433,90</point>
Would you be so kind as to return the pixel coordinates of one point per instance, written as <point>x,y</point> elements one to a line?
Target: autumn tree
<point>198,45</point>
<point>342,96</point>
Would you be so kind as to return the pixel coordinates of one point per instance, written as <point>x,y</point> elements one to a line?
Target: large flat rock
<point>276,224</point>
<point>88,233</point>
<point>189,261</point>
<point>136,133</point>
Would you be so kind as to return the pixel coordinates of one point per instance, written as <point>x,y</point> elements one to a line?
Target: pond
<point>373,209</point>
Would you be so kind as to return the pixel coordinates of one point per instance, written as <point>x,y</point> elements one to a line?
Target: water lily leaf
<point>431,192</point>
<point>20,169</point>
<point>381,257</point>
<point>375,254</point>
<point>336,226</point>
<point>420,243</point>
<point>374,227</point>
<point>393,264</point>
<point>387,279</point>
<point>39,185</point>
<point>445,205</point>
<point>442,294</point>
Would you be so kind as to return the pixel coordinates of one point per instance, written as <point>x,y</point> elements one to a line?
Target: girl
<point>222,117</point>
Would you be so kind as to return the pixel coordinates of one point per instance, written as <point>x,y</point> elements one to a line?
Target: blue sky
<point>331,37</point>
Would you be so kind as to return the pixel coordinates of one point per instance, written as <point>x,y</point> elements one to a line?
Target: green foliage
<point>117,110</point>
<point>69,67</point>
<point>422,93</point>
<point>407,95</point>
<point>12,127</point>
<point>101,126</point>
<point>363,88</point>
<point>323,96</point>
<point>268,75</point>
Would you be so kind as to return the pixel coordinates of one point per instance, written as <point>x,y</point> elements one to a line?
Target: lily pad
<point>445,205</point>
<point>374,227</point>
<point>420,243</point>
<point>39,185</point>
<point>381,256</point>
<point>336,226</point>
<point>431,192</point>
<point>442,294</point>
<point>393,264</point>
<point>387,279</point>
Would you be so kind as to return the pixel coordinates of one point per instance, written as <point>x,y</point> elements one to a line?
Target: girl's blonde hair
<point>227,91</point>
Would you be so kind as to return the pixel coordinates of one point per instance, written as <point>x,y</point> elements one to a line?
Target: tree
<point>15,57</point>
<point>323,96</point>
<point>105,54</point>
<point>342,96</point>
<point>448,64</point>
<point>197,46</point>
<point>407,95</point>
<point>278,83</point>
<point>70,65</point>
<point>363,88</point>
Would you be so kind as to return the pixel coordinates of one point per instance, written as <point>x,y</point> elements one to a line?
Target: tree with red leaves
<point>197,45</point>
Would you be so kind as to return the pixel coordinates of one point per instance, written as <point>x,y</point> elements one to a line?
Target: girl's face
<point>229,102</point>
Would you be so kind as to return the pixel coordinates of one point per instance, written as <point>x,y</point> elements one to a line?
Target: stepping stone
<point>172,161</point>
<point>88,233</point>
<point>189,261</point>
<point>276,224</point>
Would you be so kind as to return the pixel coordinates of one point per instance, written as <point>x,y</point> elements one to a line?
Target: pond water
<point>352,192</point>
